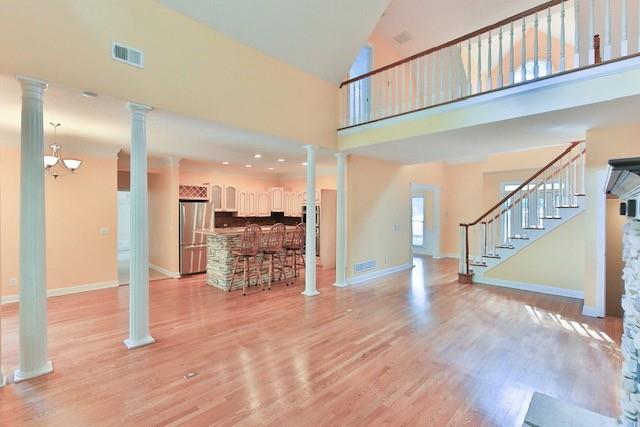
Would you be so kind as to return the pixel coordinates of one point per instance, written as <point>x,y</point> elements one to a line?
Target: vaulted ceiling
<point>320,37</point>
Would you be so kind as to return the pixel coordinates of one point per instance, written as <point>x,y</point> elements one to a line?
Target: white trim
<point>448,255</point>
<point>601,242</point>
<point>378,273</point>
<point>171,274</point>
<point>435,231</point>
<point>67,291</point>
<point>532,287</point>
<point>591,311</point>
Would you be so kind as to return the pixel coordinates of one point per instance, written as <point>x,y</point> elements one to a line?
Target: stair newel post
<point>583,165</point>
<point>464,275</point>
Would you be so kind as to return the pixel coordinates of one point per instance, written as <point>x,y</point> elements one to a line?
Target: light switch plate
<point>104,230</point>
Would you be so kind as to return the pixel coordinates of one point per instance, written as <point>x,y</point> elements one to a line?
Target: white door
<point>417,222</point>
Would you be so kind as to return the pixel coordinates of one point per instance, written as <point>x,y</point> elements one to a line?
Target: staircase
<point>546,200</point>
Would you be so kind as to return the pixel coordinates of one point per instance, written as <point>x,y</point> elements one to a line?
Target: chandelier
<point>55,164</point>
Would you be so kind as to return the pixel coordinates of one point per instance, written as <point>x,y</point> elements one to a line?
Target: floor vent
<point>364,266</point>
<point>128,55</point>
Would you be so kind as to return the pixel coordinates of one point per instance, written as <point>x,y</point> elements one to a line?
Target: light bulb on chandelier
<point>55,164</point>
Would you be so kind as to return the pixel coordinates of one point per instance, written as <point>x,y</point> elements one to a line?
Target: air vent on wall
<point>364,266</point>
<point>128,55</point>
<point>402,37</point>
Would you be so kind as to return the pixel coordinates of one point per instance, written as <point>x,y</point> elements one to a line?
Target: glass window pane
<point>417,221</point>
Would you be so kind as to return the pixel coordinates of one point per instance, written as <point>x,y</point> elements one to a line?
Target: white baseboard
<point>378,273</point>
<point>532,287</point>
<point>591,311</point>
<point>172,274</point>
<point>66,291</point>
<point>447,255</point>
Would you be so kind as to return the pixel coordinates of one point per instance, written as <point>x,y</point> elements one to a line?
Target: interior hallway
<point>412,348</point>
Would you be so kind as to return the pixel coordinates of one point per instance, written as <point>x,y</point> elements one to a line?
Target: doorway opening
<point>425,220</point>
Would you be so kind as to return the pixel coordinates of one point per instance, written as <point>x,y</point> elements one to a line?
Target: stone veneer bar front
<point>220,260</point>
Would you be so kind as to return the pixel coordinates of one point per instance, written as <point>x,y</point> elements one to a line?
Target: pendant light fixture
<point>55,164</point>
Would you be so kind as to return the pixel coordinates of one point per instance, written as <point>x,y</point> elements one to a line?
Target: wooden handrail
<point>524,184</point>
<point>483,30</point>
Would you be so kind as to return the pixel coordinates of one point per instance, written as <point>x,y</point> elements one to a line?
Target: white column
<point>139,269</point>
<point>310,250</point>
<point>34,360</point>
<point>341,222</point>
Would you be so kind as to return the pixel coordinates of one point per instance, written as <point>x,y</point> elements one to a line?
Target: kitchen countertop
<point>233,230</point>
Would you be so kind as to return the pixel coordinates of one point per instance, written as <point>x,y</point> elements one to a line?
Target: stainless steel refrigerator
<point>193,246</point>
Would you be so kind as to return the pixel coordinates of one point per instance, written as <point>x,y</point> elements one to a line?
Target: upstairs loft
<point>556,42</point>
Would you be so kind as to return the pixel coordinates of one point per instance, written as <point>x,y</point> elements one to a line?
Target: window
<point>359,91</point>
<point>529,69</point>
<point>417,221</point>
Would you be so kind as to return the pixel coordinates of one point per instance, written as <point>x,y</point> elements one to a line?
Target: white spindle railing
<point>473,64</point>
<point>539,198</point>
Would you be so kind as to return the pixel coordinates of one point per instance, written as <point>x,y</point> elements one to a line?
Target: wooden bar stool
<point>274,249</point>
<point>294,247</point>
<point>248,250</point>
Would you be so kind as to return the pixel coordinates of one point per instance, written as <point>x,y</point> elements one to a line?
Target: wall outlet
<point>104,230</point>
<point>13,282</point>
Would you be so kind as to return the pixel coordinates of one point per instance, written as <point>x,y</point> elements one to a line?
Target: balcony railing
<point>554,38</point>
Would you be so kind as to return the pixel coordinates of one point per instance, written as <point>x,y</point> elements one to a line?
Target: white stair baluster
<point>479,89</point>
<point>451,50</point>
<point>523,69</point>
<point>576,40</point>
<point>536,36</point>
<point>624,36</point>
<point>591,33</point>
<point>563,59</point>
<point>511,54</point>
<point>549,37</point>
<point>434,91</point>
<point>470,88</point>
<point>403,84</point>
<point>443,91</point>
<point>460,71</point>
<point>396,91</point>
<point>500,71</point>
<point>607,30</point>
<point>489,66</point>
<point>483,239</point>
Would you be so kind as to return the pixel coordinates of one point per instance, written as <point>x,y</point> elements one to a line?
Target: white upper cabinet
<point>286,201</point>
<point>230,198</point>
<point>252,207</point>
<point>242,203</point>
<point>277,199</point>
<point>216,197</point>
<point>317,197</point>
<point>263,201</point>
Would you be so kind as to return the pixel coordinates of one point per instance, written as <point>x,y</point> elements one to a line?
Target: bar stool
<point>249,249</point>
<point>273,250</point>
<point>294,247</point>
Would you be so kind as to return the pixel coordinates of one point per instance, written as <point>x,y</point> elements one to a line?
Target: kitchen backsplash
<point>228,219</point>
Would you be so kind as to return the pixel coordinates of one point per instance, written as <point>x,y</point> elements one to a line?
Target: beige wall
<point>190,69</point>
<point>603,144</point>
<point>77,207</point>
<point>614,265</point>
<point>555,260</point>
<point>379,198</point>
<point>163,218</point>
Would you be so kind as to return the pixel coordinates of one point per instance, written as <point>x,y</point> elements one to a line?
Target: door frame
<point>435,231</point>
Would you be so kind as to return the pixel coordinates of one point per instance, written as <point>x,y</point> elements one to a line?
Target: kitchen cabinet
<point>263,204</point>
<point>243,204</point>
<point>304,197</point>
<point>286,202</point>
<point>230,203</point>
<point>277,199</point>
<point>251,204</point>
<point>216,197</point>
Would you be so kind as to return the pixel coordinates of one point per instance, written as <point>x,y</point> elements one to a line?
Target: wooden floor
<point>415,348</point>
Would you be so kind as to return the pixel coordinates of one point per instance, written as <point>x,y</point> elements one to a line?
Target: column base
<point>341,285</point>
<point>310,293</point>
<point>19,376</point>
<point>131,344</point>
<point>465,279</point>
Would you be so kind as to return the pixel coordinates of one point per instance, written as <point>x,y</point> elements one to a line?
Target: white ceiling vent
<point>402,37</point>
<point>127,54</point>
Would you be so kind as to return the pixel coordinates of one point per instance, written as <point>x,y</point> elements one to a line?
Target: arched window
<point>529,68</point>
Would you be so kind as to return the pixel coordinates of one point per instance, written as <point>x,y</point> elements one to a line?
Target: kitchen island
<point>220,260</point>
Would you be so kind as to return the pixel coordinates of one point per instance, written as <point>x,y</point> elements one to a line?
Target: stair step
<point>506,247</point>
<point>478,264</point>
<point>551,217</point>
<point>567,207</point>
<point>518,238</point>
<point>533,228</point>
<point>492,256</point>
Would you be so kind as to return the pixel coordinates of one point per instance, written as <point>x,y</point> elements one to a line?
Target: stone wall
<point>631,324</point>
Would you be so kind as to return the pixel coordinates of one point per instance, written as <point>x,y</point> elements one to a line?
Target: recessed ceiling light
<point>89,94</point>
<point>225,163</point>
<point>248,166</point>
<point>281,160</point>
<point>304,163</point>
<point>270,169</point>
<point>257,156</point>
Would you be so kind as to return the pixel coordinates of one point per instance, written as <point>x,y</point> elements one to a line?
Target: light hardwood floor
<point>415,348</point>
